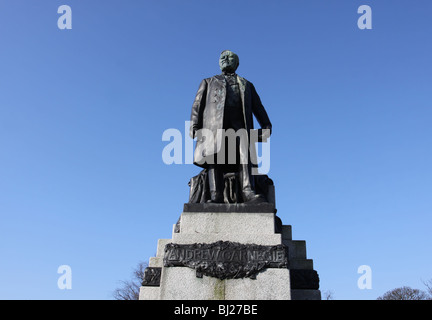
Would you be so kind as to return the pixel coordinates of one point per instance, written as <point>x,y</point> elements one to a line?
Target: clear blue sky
<point>82,112</point>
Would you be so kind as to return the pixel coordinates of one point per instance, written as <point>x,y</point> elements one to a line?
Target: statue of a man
<point>226,101</point>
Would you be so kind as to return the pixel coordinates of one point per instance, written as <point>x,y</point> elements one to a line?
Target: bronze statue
<point>227,101</point>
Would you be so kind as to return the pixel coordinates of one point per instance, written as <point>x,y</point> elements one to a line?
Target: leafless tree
<point>404,293</point>
<point>327,295</point>
<point>129,290</point>
<point>428,285</point>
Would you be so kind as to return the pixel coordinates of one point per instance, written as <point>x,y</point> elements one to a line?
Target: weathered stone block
<point>227,223</point>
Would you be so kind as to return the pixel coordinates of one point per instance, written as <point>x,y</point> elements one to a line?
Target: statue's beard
<point>228,69</point>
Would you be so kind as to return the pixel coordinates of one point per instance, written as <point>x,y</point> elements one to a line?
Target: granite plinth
<point>246,224</point>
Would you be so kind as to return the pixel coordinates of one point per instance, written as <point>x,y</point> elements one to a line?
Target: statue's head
<point>228,61</point>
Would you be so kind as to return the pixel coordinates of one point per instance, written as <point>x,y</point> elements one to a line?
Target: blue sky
<point>82,112</point>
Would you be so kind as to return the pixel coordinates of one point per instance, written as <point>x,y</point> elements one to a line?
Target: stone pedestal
<point>260,262</point>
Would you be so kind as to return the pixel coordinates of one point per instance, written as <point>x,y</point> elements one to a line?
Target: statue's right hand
<point>264,133</point>
<point>193,131</point>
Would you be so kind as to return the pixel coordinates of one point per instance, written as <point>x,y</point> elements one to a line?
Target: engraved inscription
<point>225,259</point>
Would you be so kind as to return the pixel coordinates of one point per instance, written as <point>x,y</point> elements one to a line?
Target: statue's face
<point>228,61</point>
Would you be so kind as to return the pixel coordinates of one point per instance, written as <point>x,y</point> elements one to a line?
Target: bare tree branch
<point>428,285</point>
<point>129,290</point>
<point>328,295</point>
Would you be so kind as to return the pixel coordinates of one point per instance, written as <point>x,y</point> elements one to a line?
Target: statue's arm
<point>258,110</point>
<point>197,109</point>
